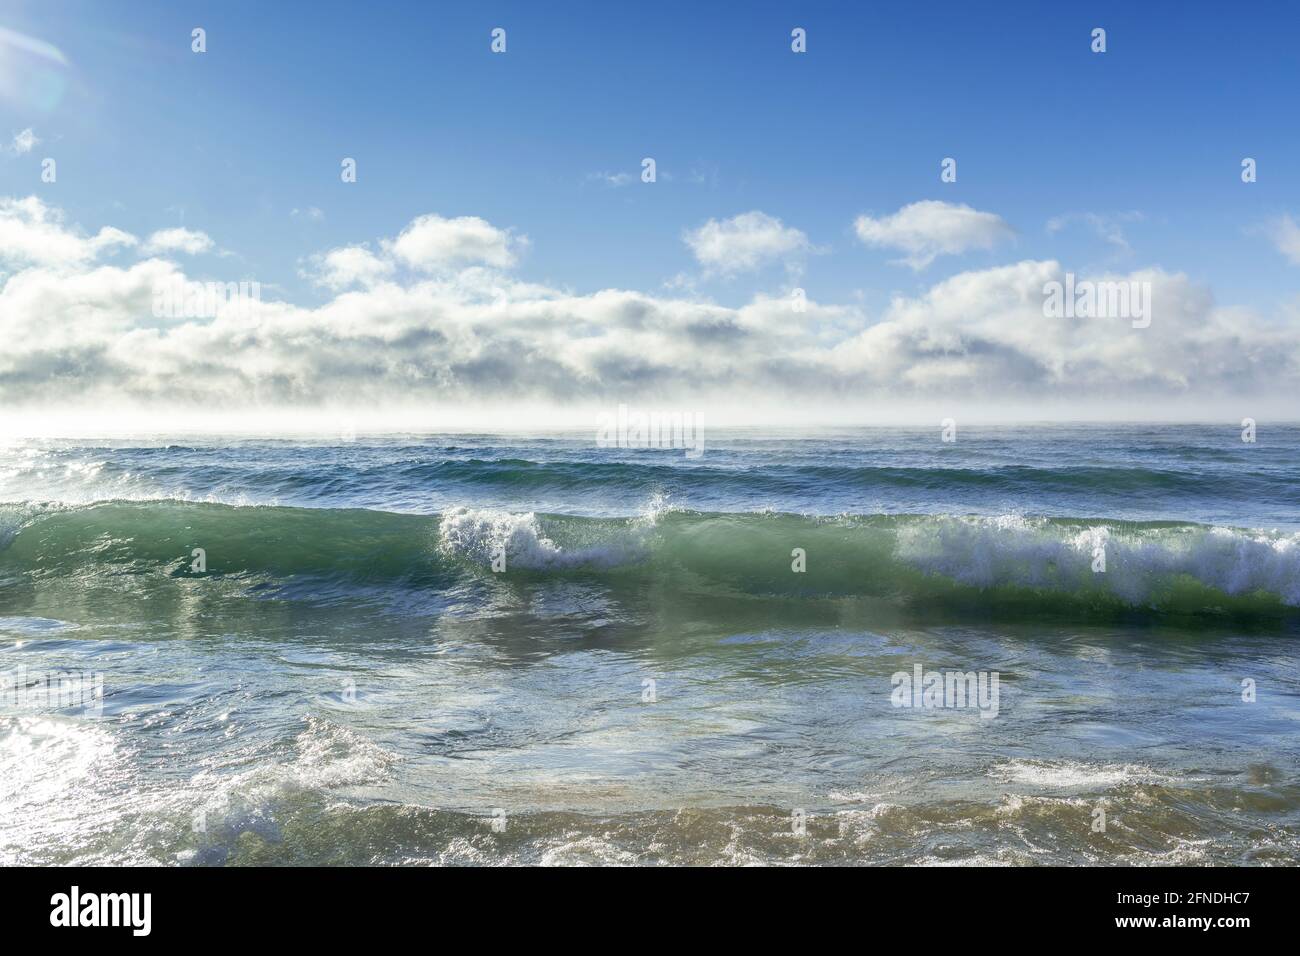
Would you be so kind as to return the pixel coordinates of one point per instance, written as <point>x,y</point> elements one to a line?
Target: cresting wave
<point>1005,565</point>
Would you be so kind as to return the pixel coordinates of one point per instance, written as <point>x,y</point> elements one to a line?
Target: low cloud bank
<point>435,317</point>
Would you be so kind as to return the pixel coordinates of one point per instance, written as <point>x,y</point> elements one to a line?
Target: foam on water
<point>223,688</point>
<point>1040,553</point>
<point>1073,775</point>
<point>482,534</point>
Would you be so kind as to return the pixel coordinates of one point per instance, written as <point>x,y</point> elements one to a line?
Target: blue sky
<point>1134,154</point>
<point>231,141</point>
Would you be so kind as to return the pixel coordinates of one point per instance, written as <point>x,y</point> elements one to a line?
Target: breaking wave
<point>1002,565</point>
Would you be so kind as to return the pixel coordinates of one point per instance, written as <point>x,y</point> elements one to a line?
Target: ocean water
<point>345,678</point>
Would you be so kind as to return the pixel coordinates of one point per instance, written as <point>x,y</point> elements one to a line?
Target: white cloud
<point>611,179</point>
<point>1286,237</point>
<point>77,331</point>
<point>348,266</point>
<point>23,142</point>
<point>32,233</point>
<point>432,243</point>
<point>1107,226</point>
<point>179,239</point>
<point>745,242</point>
<point>930,228</point>
<point>311,212</point>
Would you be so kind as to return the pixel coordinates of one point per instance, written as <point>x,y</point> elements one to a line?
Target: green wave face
<point>1005,566</point>
<point>160,537</point>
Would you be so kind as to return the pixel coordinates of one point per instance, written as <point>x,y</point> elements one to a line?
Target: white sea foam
<point>1035,552</point>
<point>480,535</point>
<point>57,784</point>
<point>1071,774</point>
<point>330,755</point>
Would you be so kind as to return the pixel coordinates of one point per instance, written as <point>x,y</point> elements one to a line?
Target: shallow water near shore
<point>346,680</point>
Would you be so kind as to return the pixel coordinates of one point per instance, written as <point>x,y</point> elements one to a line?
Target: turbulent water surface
<point>340,676</point>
